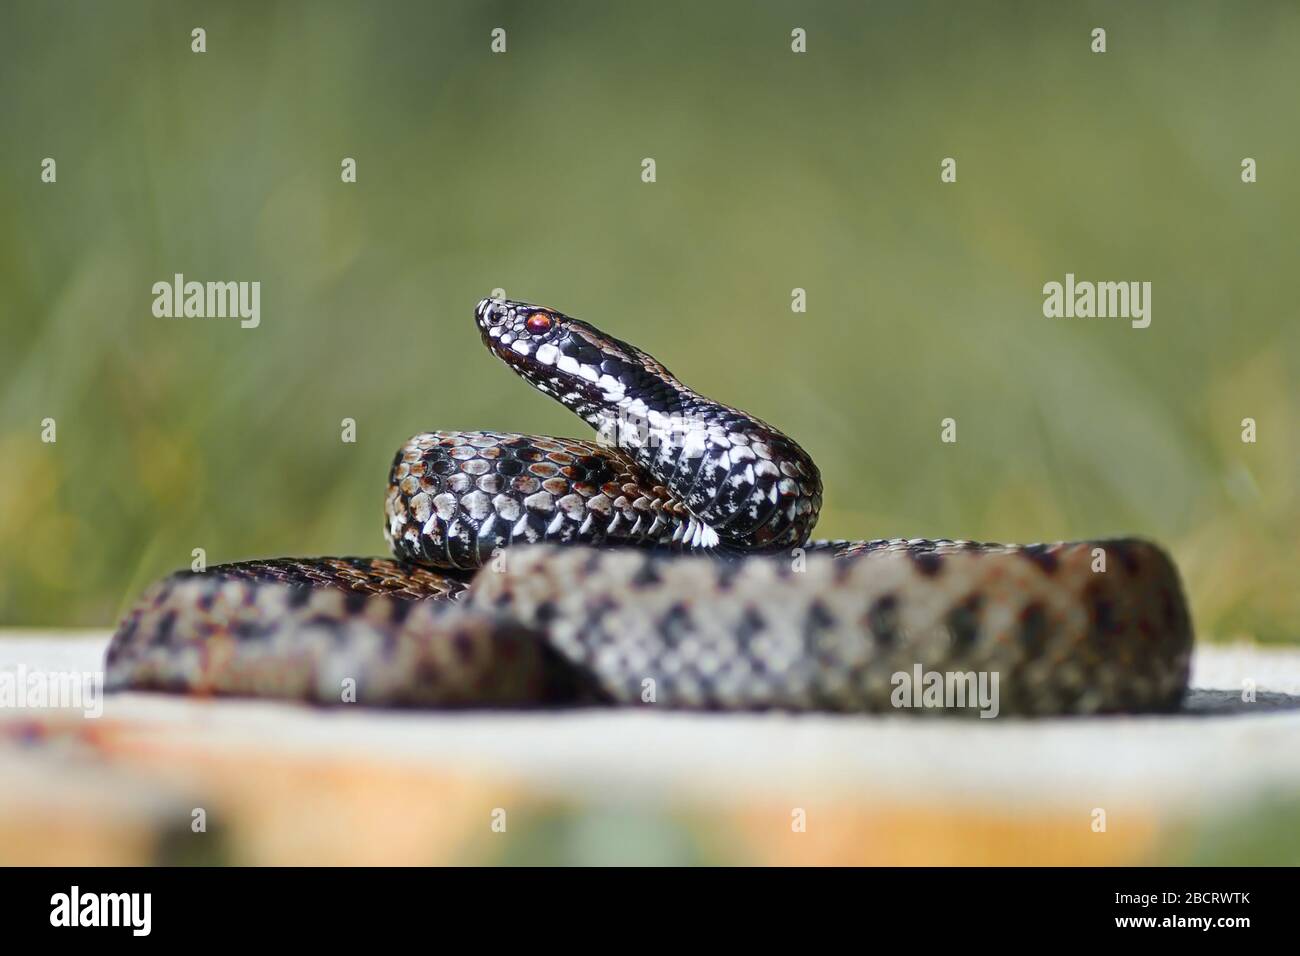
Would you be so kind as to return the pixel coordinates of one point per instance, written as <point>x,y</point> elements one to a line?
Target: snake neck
<point>751,487</point>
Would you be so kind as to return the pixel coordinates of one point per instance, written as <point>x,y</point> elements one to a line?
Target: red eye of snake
<point>538,323</point>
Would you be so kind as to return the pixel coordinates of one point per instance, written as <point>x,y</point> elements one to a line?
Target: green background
<point>775,171</point>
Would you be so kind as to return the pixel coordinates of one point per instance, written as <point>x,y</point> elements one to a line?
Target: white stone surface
<point>1220,748</point>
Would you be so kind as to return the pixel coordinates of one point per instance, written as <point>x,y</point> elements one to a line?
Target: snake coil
<point>667,564</point>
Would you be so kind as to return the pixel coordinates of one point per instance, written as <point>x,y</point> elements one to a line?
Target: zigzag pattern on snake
<point>668,564</point>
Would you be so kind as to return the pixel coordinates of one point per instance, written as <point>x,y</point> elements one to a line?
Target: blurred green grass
<point>521,171</point>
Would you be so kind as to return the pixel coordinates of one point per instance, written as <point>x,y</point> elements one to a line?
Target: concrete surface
<point>281,783</point>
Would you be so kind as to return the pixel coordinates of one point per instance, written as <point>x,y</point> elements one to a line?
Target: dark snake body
<point>667,565</point>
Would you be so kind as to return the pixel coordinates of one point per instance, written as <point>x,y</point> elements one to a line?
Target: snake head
<point>533,341</point>
<point>565,357</point>
<point>588,371</point>
<point>518,327</point>
<point>558,355</point>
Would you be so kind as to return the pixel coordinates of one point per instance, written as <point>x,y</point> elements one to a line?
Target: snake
<point>667,562</point>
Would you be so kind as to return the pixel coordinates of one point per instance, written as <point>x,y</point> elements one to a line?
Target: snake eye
<point>538,323</point>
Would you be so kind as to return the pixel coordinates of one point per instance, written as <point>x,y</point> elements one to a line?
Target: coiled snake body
<point>668,564</point>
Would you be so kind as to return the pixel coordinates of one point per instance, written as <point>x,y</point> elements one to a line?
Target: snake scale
<point>668,563</point>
